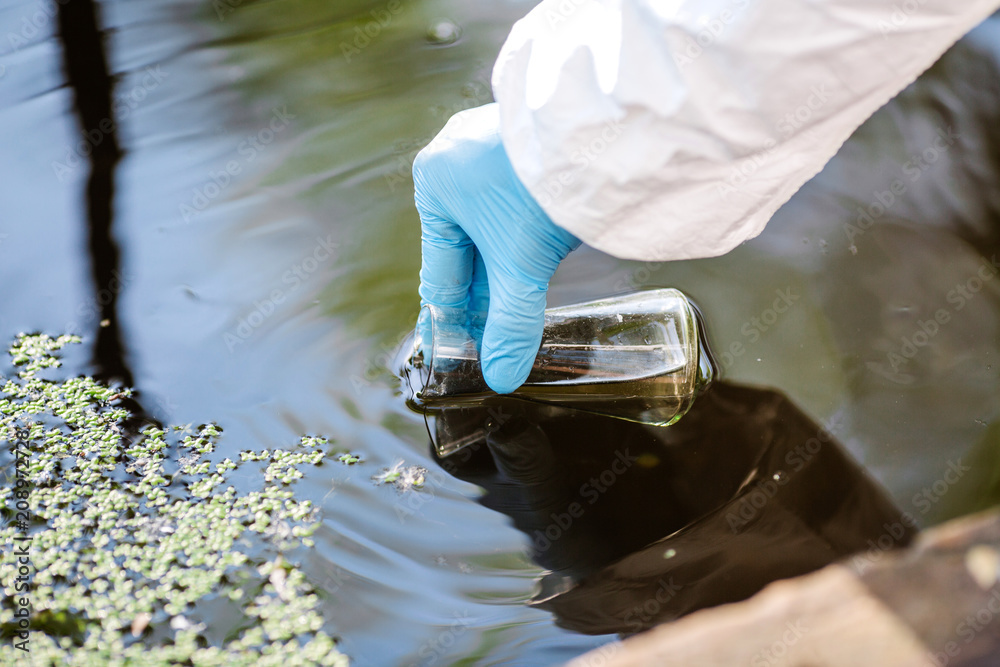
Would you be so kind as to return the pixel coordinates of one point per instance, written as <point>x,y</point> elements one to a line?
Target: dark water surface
<point>268,257</point>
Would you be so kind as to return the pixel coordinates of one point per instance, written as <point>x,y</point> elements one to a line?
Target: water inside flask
<point>640,357</point>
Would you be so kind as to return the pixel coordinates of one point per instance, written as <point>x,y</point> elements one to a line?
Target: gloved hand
<point>486,244</point>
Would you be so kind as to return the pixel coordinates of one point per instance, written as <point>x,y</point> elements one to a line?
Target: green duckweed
<point>137,539</point>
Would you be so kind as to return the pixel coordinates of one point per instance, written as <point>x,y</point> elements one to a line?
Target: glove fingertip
<point>508,353</point>
<point>504,374</point>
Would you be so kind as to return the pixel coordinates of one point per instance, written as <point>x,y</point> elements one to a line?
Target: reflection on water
<point>268,257</point>
<point>639,525</point>
<point>85,63</point>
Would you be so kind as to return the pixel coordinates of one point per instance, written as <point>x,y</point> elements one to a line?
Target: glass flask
<point>640,357</point>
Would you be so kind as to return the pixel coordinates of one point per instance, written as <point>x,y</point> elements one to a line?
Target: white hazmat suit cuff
<point>674,129</point>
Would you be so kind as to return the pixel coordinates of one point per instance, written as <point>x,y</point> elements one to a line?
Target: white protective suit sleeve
<point>674,129</point>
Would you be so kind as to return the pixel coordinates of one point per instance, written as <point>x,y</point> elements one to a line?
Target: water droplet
<point>780,477</point>
<point>669,553</point>
<point>443,32</point>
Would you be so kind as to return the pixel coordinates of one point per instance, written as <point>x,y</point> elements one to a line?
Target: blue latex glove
<point>486,244</point>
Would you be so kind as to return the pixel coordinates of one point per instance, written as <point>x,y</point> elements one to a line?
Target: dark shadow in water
<point>640,525</point>
<point>87,73</point>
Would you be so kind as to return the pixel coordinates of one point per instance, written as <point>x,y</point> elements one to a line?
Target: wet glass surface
<point>262,210</point>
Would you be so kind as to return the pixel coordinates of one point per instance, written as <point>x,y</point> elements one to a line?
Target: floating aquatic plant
<point>139,550</point>
<point>402,476</point>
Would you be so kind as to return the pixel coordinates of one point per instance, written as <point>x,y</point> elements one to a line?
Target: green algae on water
<point>402,476</point>
<point>134,538</point>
